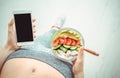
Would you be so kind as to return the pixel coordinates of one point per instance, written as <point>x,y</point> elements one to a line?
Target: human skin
<point>30,68</point>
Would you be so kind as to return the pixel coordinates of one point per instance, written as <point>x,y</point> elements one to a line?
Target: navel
<point>33,70</point>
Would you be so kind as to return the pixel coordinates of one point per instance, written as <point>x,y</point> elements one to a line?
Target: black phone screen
<point>23,27</point>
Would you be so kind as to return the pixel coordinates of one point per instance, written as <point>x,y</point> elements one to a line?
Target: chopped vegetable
<point>73,48</point>
<point>56,47</point>
<point>66,46</point>
<point>63,49</point>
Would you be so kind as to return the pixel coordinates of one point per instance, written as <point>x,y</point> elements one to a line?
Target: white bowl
<point>66,43</point>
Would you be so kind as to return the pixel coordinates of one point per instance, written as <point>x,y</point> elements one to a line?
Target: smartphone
<point>23,27</point>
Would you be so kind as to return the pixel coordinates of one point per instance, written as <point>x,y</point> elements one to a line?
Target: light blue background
<point>97,20</point>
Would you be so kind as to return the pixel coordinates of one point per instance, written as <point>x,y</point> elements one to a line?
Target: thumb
<point>80,54</point>
<point>10,24</point>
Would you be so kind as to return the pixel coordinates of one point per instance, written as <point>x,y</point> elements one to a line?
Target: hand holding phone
<point>23,27</point>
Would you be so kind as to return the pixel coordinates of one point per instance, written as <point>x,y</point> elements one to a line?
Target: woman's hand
<point>11,41</point>
<point>78,65</point>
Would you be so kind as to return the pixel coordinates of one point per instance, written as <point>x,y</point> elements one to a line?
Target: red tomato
<point>61,40</point>
<point>77,42</point>
<point>68,41</point>
<point>73,42</point>
<point>56,42</point>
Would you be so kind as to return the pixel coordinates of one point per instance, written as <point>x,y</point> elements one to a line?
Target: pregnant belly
<point>28,68</point>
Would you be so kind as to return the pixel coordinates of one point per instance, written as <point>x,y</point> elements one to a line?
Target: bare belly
<point>28,68</point>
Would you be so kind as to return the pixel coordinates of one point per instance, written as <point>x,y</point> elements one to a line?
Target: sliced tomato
<point>73,42</point>
<point>55,42</point>
<point>61,40</point>
<point>77,42</point>
<point>68,41</point>
<point>65,41</point>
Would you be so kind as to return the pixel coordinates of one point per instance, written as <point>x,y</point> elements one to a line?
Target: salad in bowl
<point>66,43</point>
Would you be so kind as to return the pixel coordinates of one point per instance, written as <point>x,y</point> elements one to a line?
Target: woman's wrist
<point>11,47</point>
<point>7,48</point>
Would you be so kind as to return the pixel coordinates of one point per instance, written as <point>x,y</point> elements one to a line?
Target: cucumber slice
<point>56,47</point>
<point>73,48</point>
<point>63,49</point>
<point>66,46</point>
<point>77,49</point>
